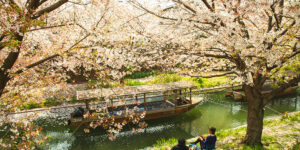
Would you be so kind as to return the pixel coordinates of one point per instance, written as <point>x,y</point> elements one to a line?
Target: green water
<point>216,110</point>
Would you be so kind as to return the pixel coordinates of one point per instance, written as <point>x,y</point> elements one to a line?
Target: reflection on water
<point>216,110</point>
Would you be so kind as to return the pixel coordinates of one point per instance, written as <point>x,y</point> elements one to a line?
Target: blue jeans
<point>195,146</point>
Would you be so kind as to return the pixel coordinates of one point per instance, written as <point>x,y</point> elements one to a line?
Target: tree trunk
<point>255,116</point>
<point>8,64</point>
<point>3,82</point>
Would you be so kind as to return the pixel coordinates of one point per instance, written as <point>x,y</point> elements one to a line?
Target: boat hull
<point>153,114</point>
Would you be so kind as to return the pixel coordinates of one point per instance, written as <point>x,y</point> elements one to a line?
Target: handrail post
<point>87,106</point>
<point>190,95</point>
<point>145,101</point>
<point>180,94</point>
<point>175,97</point>
<point>136,98</point>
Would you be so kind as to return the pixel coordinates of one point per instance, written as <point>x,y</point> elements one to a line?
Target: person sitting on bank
<point>181,145</point>
<point>208,143</point>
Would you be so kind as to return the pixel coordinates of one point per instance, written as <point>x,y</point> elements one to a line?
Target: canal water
<point>215,110</point>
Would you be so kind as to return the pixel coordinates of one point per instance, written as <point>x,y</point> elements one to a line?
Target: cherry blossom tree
<point>256,40</point>
<point>42,41</point>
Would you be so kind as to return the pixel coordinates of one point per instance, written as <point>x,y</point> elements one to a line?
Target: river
<point>215,110</point>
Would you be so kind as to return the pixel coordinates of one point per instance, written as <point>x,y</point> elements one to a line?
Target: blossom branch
<point>285,59</point>
<point>49,27</point>
<point>169,18</point>
<point>208,5</point>
<point>186,6</point>
<point>36,63</point>
<point>49,9</point>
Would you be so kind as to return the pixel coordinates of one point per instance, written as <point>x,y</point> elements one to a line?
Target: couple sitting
<point>208,143</point>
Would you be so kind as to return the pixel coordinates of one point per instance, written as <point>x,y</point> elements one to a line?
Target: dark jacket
<point>208,144</point>
<point>180,147</point>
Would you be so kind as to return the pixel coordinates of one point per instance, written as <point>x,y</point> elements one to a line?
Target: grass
<point>297,146</point>
<point>51,102</point>
<point>30,105</point>
<point>161,144</point>
<point>231,139</point>
<point>171,77</point>
<point>48,102</point>
<point>130,82</point>
<point>138,75</point>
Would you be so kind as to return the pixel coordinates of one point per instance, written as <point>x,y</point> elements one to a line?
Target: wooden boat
<point>239,94</point>
<point>158,101</point>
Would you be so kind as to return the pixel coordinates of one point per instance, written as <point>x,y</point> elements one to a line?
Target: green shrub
<point>51,102</point>
<point>256,147</point>
<point>130,82</point>
<point>166,78</point>
<point>73,100</point>
<point>297,146</point>
<point>30,105</point>
<point>162,143</point>
<point>138,75</point>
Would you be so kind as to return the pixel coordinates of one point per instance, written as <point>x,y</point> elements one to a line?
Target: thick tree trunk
<point>8,64</point>
<point>3,82</point>
<point>254,117</point>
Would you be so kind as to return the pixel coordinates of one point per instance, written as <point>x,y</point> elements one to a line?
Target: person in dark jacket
<point>208,143</point>
<point>181,145</point>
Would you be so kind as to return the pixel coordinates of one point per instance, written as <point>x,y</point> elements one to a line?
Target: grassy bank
<point>279,133</point>
<point>169,77</point>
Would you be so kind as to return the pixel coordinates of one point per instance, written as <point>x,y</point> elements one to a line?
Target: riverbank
<point>281,132</point>
<point>66,95</point>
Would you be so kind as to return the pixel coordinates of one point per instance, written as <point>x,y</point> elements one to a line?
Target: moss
<point>256,147</point>
<point>269,139</point>
<point>30,105</point>
<point>166,78</point>
<point>138,75</point>
<point>51,102</point>
<point>161,144</point>
<point>209,82</point>
<point>297,146</point>
<point>130,82</point>
<point>73,100</point>
<point>172,77</point>
<point>236,132</point>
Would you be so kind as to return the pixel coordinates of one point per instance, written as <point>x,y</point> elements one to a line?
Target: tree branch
<point>36,63</point>
<point>214,75</point>
<point>284,60</point>
<point>270,25</point>
<point>12,56</point>
<point>32,5</point>
<point>186,6</point>
<point>13,4</point>
<point>275,15</point>
<point>49,27</point>
<point>2,43</point>
<point>1,46</point>
<point>213,55</point>
<point>49,9</point>
<point>207,5</point>
<point>2,37</point>
<point>169,18</point>
<point>270,45</point>
<point>78,3</point>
